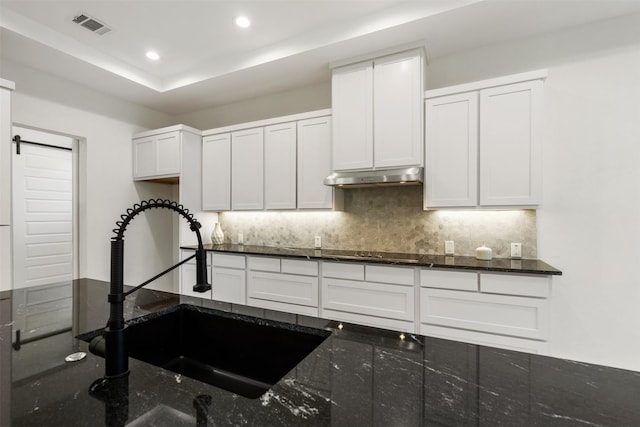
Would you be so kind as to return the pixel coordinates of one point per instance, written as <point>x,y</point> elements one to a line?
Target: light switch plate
<point>317,242</point>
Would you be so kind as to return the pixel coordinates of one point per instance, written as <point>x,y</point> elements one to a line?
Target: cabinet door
<point>157,156</point>
<point>229,285</point>
<point>352,107</point>
<point>397,111</point>
<point>216,173</point>
<point>144,157</point>
<point>280,166</point>
<point>314,163</point>
<point>5,156</point>
<point>247,168</point>
<point>6,279</point>
<point>510,145</point>
<point>451,140</point>
<point>168,154</point>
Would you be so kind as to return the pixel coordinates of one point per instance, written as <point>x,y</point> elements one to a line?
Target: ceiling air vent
<point>91,24</point>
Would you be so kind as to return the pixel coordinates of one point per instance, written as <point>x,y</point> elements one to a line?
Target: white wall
<point>104,125</point>
<point>309,98</point>
<point>589,222</point>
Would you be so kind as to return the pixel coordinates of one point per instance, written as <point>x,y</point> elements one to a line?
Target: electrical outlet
<point>241,238</point>
<point>317,242</point>
<point>516,250</point>
<point>448,247</point>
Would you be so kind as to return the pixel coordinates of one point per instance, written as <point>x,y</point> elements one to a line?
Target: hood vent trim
<point>373,178</point>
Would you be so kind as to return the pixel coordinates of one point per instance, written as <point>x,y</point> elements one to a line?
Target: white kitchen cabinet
<point>377,113</point>
<point>451,164</point>
<point>157,156</point>
<point>6,267</point>
<point>397,110</point>
<point>381,296</point>
<point>216,172</point>
<point>290,285</point>
<point>247,169</point>
<point>6,87</point>
<point>314,164</point>
<point>174,155</point>
<point>228,278</point>
<point>280,166</point>
<point>282,169</point>
<point>510,146</point>
<point>500,310</point>
<point>483,144</point>
<point>352,106</point>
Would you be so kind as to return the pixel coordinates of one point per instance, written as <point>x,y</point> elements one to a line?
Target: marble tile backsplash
<point>388,219</point>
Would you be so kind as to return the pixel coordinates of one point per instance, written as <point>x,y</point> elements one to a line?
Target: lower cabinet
<point>499,310</point>
<point>379,296</point>
<point>225,272</point>
<point>228,278</point>
<point>283,284</point>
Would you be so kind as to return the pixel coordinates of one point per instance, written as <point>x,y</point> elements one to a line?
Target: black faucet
<point>112,344</point>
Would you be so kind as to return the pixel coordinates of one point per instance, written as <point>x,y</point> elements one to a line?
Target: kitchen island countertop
<point>505,265</point>
<point>359,376</point>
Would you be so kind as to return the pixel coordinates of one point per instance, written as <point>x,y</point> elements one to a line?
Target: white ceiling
<point>207,61</point>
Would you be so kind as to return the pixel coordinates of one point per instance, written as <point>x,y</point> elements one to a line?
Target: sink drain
<point>75,357</point>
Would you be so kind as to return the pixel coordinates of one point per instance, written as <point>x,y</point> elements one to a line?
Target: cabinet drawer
<point>341,270</point>
<point>498,314</point>
<point>263,263</point>
<point>294,266</point>
<point>287,288</point>
<point>229,261</point>
<point>375,299</point>
<point>385,274</point>
<point>458,280</point>
<point>532,286</point>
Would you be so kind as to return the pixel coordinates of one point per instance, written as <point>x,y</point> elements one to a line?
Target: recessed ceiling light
<point>242,21</point>
<point>153,55</point>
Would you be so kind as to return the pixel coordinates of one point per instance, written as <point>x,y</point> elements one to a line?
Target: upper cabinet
<point>247,166</point>
<point>216,172</point>
<point>377,113</point>
<point>157,154</point>
<point>274,164</point>
<point>6,87</point>
<point>314,164</point>
<point>280,166</point>
<point>483,144</point>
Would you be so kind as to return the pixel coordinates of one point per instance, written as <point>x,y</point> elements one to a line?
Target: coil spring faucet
<point>112,344</point>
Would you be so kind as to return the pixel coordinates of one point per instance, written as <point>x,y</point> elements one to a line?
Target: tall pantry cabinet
<point>172,155</point>
<point>6,87</point>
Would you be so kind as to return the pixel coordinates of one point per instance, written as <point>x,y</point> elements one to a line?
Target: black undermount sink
<point>241,354</point>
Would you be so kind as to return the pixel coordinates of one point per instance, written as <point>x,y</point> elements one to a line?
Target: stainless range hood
<point>381,177</point>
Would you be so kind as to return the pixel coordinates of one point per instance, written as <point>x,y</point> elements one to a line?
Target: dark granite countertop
<point>358,376</point>
<point>506,265</point>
